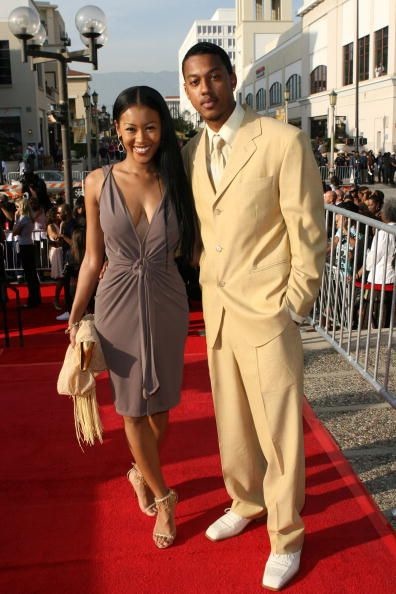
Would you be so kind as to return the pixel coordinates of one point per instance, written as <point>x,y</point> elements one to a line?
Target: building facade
<point>78,85</point>
<point>219,29</point>
<point>173,103</point>
<point>316,55</point>
<point>27,91</point>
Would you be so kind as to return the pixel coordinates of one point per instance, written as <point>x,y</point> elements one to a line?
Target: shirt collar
<point>229,129</point>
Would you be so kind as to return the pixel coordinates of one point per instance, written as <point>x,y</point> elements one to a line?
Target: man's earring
<point>121,148</point>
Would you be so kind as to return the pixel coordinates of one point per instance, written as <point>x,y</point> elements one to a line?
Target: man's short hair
<point>205,47</point>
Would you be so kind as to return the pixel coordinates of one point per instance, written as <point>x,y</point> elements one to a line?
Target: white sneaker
<point>227,526</point>
<point>63,317</point>
<point>280,569</point>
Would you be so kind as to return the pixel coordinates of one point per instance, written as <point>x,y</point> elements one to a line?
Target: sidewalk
<point>360,420</point>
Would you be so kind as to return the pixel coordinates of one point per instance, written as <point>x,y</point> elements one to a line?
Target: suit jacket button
<point>219,248</point>
<point>221,283</point>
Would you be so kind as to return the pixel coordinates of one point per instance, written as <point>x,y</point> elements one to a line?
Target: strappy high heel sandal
<point>137,480</point>
<point>167,504</point>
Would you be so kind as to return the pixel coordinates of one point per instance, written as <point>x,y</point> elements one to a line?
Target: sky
<point>144,35</point>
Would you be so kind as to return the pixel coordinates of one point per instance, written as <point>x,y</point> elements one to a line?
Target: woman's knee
<point>135,422</point>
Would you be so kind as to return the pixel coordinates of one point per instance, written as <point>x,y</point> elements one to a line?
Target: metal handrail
<point>358,319</point>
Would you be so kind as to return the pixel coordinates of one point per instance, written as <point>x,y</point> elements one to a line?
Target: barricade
<point>345,173</point>
<point>355,316</point>
<point>12,259</point>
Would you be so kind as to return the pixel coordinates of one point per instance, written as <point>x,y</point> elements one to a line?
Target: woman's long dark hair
<point>168,161</point>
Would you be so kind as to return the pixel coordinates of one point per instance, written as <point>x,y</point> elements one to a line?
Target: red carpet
<point>70,524</point>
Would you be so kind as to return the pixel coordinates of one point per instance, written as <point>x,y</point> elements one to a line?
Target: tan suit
<point>263,251</point>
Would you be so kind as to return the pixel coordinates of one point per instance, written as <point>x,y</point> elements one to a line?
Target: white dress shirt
<point>383,258</point>
<point>227,132</point>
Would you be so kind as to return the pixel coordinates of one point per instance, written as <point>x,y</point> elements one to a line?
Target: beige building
<point>173,103</point>
<point>27,91</point>
<point>316,55</point>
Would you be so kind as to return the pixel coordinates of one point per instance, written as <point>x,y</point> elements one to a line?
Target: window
<point>39,69</point>
<point>381,51</point>
<point>364,47</point>
<point>214,29</point>
<point>218,29</point>
<point>204,29</point>
<point>260,100</point>
<point>229,29</point>
<point>276,10</point>
<point>10,138</point>
<point>5,63</point>
<point>294,86</point>
<point>249,99</point>
<point>319,79</point>
<point>210,29</point>
<point>259,10</point>
<point>275,94</point>
<point>348,64</point>
<point>199,29</point>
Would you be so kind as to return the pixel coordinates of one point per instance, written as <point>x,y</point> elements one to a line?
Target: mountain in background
<point>109,84</point>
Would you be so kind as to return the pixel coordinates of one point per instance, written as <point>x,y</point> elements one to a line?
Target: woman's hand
<point>72,335</point>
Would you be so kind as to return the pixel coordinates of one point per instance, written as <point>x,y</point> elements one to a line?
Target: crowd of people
<point>364,167</point>
<point>348,241</point>
<point>33,219</point>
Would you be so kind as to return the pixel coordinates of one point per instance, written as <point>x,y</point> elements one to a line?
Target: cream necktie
<point>217,160</point>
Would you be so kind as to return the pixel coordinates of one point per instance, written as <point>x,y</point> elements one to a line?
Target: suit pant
<point>258,395</point>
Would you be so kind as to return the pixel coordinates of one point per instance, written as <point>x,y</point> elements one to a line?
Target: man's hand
<point>103,269</point>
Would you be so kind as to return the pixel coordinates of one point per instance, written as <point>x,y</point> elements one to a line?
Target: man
<point>259,201</point>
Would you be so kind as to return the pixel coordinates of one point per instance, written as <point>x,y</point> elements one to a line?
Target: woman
<point>73,261</point>
<point>55,253</point>
<point>67,226</point>
<point>146,214</point>
<point>381,265</point>
<point>23,228</point>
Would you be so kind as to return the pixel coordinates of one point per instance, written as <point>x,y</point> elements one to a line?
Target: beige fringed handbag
<point>77,379</point>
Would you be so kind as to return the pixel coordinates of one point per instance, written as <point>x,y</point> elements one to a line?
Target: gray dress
<point>141,308</point>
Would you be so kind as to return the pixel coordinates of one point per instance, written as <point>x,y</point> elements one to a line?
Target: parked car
<point>55,182</point>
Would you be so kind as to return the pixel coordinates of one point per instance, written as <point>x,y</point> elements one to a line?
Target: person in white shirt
<point>380,263</point>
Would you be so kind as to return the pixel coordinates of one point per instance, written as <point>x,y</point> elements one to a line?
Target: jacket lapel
<point>201,180</point>
<point>243,148</point>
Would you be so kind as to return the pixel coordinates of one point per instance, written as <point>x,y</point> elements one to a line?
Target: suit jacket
<point>263,230</point>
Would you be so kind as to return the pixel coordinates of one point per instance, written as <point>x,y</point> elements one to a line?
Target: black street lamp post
<point>25,24</point>
<point>95,112</point>
<point>87,105</point>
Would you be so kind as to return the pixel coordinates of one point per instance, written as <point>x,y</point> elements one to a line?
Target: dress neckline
<point>129,214</point>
